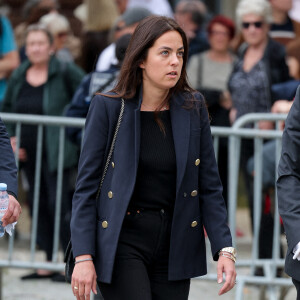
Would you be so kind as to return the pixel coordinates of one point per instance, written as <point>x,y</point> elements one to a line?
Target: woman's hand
<point>13,212</point>
<point>22,151</point>
<point>84,278</point>
<point>225,100</point>
<point>266,125</point>
<point>226,265</point>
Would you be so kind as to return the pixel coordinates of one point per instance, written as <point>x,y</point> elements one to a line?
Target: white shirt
<point>294,13</point>
<point>107,58</point>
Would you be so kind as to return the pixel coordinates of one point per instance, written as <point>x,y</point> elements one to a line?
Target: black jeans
<point>141,264</point>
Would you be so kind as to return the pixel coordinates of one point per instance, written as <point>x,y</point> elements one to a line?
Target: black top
<point>155,186</point>
<point>30,101</point>
<point>287,26</point>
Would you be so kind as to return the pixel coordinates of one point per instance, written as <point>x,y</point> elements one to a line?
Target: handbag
<point>69,257</point>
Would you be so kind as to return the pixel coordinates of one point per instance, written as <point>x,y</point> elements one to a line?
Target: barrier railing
<point>40,122</point>
<point>234,134</point>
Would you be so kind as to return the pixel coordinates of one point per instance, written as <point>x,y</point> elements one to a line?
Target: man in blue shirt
<point>9,57</point>
<point>92,83</point>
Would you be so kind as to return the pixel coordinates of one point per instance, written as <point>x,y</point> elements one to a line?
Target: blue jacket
<point>90,84</point>
<point>198,187</point>
<point>8,168</point>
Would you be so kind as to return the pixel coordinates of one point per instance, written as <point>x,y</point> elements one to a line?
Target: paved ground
<point>16,289</point>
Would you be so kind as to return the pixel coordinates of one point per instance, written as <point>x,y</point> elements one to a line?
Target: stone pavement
<point>16,289</point>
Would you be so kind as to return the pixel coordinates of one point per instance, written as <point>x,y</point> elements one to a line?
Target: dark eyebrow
<point>168,48</point>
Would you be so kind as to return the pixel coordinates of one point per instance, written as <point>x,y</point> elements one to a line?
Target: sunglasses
<point>257,24</point>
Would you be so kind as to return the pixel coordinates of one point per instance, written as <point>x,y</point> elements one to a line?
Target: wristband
<point>82,260</point>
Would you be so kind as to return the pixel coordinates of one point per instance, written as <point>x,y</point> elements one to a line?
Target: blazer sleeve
<point>8,168</point>
<point>83,221</point>
<point>288,183</point>
<point>212,204</point>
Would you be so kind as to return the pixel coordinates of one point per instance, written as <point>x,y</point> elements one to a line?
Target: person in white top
<point>126,23</point>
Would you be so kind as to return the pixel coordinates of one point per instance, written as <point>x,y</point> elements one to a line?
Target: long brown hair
<point>143,38</point>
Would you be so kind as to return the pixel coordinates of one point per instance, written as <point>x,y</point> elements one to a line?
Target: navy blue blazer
<point>288,185</point>
<point>8,168</point>
<point>198,187</point>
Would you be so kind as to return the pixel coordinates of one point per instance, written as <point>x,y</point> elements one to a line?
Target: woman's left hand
<point>226,265</point>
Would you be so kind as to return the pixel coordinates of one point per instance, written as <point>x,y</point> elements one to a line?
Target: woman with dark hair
<point>143,238</point>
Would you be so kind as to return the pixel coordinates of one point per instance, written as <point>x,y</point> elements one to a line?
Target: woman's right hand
<point>22,151</point>
<point>84,278</point>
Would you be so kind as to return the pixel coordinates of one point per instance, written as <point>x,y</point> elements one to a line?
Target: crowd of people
<point>247,65</point>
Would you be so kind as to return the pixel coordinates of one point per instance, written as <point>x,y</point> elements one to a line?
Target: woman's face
<point>254,29</point>
<point>162,67</point>
<point>219,37</point>
<point>38,48</point>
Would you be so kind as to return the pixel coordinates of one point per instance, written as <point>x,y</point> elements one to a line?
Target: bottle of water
<point>4,199</point>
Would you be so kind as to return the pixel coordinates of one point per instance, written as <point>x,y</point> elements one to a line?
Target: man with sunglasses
<point>125,24</point>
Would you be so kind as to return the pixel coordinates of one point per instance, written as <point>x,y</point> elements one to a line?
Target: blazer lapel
<point>137,120</point>
<point>180,119</point>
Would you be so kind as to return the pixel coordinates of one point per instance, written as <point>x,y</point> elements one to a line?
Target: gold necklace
<point>163,108</point>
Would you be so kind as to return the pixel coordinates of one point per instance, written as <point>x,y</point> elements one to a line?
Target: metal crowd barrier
<point>234,134</point>
<point>40,121</point>
<point>274,286</point>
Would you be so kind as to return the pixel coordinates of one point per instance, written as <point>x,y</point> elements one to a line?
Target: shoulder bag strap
<point>111,150</point>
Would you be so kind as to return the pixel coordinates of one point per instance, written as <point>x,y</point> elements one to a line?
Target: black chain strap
<point>111,150</point>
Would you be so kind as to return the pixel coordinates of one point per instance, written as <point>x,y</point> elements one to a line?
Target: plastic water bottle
<point>4,199</point>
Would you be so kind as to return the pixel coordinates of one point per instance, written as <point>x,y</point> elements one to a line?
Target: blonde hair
<point>100,15</point>
<point>261,8</point>
<point>39,27</point>
<point>55,23</point>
